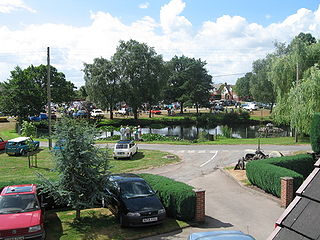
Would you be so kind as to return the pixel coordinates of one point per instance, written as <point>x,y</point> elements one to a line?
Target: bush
<point>266,173</point>
<point>315,133</point>
<point>157,137</point>
<point>178,198</point>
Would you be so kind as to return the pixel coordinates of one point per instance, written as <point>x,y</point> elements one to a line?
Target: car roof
<point>124,177</point>
<point>19,139</point>
<point>20,189</point>
<point>125,141</point>
<point>220,235</point>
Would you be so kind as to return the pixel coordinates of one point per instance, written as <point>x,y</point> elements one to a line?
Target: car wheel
<point>115,158</point>
<point>131,156</point>
<point>23,152</point>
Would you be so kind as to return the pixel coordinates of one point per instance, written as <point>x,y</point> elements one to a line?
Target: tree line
<point>290,78</point>
<point>135,74</point>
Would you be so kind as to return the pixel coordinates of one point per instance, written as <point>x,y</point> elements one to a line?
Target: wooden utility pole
<point>49,98</point>
<point>297,80</point>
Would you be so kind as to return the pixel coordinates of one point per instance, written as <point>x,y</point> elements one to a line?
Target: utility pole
<point>49,98</point>
<point>297,80</point>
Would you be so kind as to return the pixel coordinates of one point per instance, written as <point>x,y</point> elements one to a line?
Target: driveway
<point>229,206</point>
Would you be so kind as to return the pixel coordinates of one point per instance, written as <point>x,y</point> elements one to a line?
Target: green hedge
<point>178,198</point>
<point>266,173</point>
<point>315,133</point>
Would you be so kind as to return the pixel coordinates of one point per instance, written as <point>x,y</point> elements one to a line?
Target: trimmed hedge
<point>178,198</point>
<point>315,133</point>
<point>266,173</point>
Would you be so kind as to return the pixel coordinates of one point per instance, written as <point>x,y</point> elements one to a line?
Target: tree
<point>81,93</point>
<point>304,101</point>
<point>102,83</point>
<point>138,66</point>
<point>82,167</point>
<point>188,81</point>
<point>261,87</point>
<point>199,84</point>
<point>243,86</point>
<point>25,93</point>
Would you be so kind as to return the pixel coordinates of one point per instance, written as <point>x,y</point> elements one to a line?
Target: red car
<point>21,213</point>
<point>2,144</point>
<point>155,111</point>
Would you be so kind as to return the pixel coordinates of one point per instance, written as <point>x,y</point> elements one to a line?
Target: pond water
<point>192,132</point>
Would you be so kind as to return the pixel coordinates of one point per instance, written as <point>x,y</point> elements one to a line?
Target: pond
<point>192,132</point>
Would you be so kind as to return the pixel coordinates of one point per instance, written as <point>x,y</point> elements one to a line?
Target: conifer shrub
<point>178,198</point>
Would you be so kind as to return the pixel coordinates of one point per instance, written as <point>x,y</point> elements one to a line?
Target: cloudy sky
<point>227,34</point>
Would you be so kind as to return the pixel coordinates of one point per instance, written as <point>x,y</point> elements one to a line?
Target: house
<point>224,91</point>
<point>301,219</point>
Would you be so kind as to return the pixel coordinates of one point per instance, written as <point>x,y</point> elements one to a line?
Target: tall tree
<point>243,86</point>
<point>102,83</point>
<point>199,83</point>
<point>261,87</point>
<point>82,167</point>
<point>25,93</point>
<point>139,66</point>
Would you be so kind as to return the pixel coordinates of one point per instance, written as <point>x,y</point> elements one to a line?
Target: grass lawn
<point>99,223</point>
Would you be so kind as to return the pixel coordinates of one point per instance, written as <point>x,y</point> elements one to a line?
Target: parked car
<point>122,111</point>
<point>220,235</point>
<point>21,213</point>
<point>250,106</point>
<point>42,116</point>
<point>156,111</point>
<point>80,114</point>
<point>133,201</point>
<point>2,144</point>
<point>97,113</point>
<point>125,149</point>
<point>21,145</point>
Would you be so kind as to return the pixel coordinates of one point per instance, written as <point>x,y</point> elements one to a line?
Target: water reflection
<point>192,132</point>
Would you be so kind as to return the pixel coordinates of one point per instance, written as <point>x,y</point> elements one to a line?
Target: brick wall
<point>287,193</point>
<point>200,205</point>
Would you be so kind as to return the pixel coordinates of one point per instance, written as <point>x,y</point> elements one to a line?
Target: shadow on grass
<point>53,226</point>
<point>137,156</point>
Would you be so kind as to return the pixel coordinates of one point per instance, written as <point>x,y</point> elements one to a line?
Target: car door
<point>112,202</point>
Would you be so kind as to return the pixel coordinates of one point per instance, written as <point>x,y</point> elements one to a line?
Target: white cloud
<point>8,6</point>
<point>144,5</point>
<point>228,44</point>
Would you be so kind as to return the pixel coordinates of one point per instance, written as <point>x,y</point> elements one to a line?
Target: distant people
<point>122,133</point>
<point>128,132</point>
<point>136,134</point>
<point>139,130</point>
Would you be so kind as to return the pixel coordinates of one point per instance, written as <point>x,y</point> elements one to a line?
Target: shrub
<point>28,129</point>
<point>226,131</point>
<point>266,173</point>
<point>178,198</point>
<point>158,137</point>
<point>315,133</point>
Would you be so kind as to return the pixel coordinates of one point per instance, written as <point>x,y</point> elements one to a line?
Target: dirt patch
<point>238,175</point>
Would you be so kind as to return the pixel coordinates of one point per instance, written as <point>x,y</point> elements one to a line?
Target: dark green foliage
<point>315,133</point>
<point>266,173</point>
<point>210,119</point>
<point>178,198</point>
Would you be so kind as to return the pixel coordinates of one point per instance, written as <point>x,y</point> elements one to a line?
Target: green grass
<point>15,170</point>
<point>98,223</point>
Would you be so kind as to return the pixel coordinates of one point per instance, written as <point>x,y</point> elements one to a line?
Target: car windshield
<point>121,146</point>
<point>14,143</point>
<point>135,189</point>
<point>18,203</point>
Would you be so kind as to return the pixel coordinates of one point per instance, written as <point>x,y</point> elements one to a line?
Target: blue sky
<point>228,34</point>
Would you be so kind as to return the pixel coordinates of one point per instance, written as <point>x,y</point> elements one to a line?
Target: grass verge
<point>99,223</point>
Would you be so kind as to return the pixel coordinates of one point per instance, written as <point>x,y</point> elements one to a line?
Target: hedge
<point>266,173</point>
<point>315,133</point>
<point>178,198</point>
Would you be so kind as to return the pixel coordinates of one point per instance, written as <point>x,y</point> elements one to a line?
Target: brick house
<point>224,91</point>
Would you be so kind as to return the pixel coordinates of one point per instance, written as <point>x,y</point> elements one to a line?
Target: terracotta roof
<point>301,219</point>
